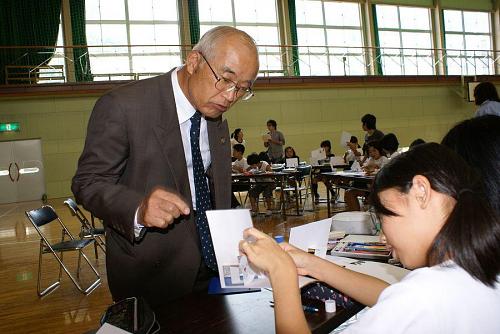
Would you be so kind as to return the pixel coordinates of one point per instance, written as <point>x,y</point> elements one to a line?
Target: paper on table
<point>110,329</point>
<point>386,272</point>
<point>312,236</point>
<point>344,138</point>
<point>317,155</point>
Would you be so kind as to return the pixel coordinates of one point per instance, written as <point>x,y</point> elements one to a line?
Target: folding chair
<point>88,229</point>
<point>301,187</point>
<point>44,216</point>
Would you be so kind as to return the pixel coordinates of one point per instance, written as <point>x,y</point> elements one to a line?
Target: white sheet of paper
<point>344,138</point>
<point>110,329</point>
<point>292,162</point>
<point>386,272</point>
<point>226,228</point>
<point>313,235</point>
<point>316,155</point>
<point>335,161</point>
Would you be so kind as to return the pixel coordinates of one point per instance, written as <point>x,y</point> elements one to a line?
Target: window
<point>468,42</point>
<point>330,37</point>
<point>405,40</point>
<point>256,17</point>
<point>55,71</point>
<point>115,26</point>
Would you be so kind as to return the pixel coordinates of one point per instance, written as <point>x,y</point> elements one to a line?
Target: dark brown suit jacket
<point>133,145</point>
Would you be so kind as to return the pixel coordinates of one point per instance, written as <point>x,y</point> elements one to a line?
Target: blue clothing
<point>488,108</point>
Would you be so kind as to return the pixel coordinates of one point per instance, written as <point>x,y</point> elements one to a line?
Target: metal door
<point>28,159</point>
<point>8,187</point>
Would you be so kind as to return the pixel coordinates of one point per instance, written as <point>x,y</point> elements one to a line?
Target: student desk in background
<point>343,180</point>
<point>246,313</point>
<point>279,179</point>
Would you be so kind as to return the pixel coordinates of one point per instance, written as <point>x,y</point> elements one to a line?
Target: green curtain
<point>27,23</point>
<point>293,35</point>
<point>194,21</point>
<point>81,54</point>
<point>378,69</point>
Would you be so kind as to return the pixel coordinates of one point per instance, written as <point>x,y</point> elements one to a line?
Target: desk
<point>278,178</point>
<point>247,313</point>
<point>343,178</point>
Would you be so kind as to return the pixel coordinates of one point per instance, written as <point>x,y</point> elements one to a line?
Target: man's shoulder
<point>141,88</point>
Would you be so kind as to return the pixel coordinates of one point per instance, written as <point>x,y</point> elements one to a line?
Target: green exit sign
<point>10,127</point>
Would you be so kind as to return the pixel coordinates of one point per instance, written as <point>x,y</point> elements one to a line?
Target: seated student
<point>375,161</point>
<point>477,141</point>
<point>290,154</point>
<point>486,98</point>
<point>350,155</point>
<point>326,145</point>
<point>436,219</point>
<point>237,137</point>
<point>390,144</point>
<point>240,164</point>
<point>416,142</point>
<point>264,186</point>
<point>376,158</point>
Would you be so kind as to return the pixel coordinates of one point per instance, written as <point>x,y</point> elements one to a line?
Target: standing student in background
<point>486,98</point>
<point>274,142</point>
<point>437,220</point>
<point>369,125</point>
<point>389,144</point>
<point>237,137</point>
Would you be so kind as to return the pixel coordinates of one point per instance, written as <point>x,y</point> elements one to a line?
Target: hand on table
<point>161,207</point>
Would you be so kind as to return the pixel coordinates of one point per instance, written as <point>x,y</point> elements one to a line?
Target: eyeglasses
<point>225,85</point>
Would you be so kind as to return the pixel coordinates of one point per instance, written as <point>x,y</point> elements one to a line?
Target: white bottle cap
<point>330,306</point>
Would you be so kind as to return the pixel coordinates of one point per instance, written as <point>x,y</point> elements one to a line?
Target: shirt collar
<point>185,109</point>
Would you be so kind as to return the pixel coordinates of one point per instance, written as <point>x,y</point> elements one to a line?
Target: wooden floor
<point>66,310</point>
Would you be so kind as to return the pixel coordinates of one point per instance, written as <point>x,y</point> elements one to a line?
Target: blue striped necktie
<point>202,194</point>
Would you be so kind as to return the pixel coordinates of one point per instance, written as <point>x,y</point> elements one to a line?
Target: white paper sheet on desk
<point>384,271</point>
<point>345,137</point>
<point>110,329</point>
<point>312,236</point>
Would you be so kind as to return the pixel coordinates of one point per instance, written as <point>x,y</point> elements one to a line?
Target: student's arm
<point>267,255</point>
<point>363,288</point>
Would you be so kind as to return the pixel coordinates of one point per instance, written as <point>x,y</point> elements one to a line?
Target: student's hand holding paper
<point>266,255</point>
<point>302,259</point>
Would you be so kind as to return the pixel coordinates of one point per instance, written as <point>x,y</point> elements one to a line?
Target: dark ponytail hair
<point>235,133</point>
<point>471,235</point>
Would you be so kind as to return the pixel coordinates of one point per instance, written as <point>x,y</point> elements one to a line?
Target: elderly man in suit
<point>156,156</point>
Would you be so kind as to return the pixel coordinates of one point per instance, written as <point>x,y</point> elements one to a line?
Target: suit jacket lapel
<point>168,133</point>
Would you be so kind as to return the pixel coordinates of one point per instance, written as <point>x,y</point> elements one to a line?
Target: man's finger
<point>173,198</point>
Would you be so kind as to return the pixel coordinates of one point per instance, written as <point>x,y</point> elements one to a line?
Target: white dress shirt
<point>184,112</point>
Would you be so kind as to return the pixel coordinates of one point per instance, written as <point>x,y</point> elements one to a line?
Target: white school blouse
<point>440,299</point>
